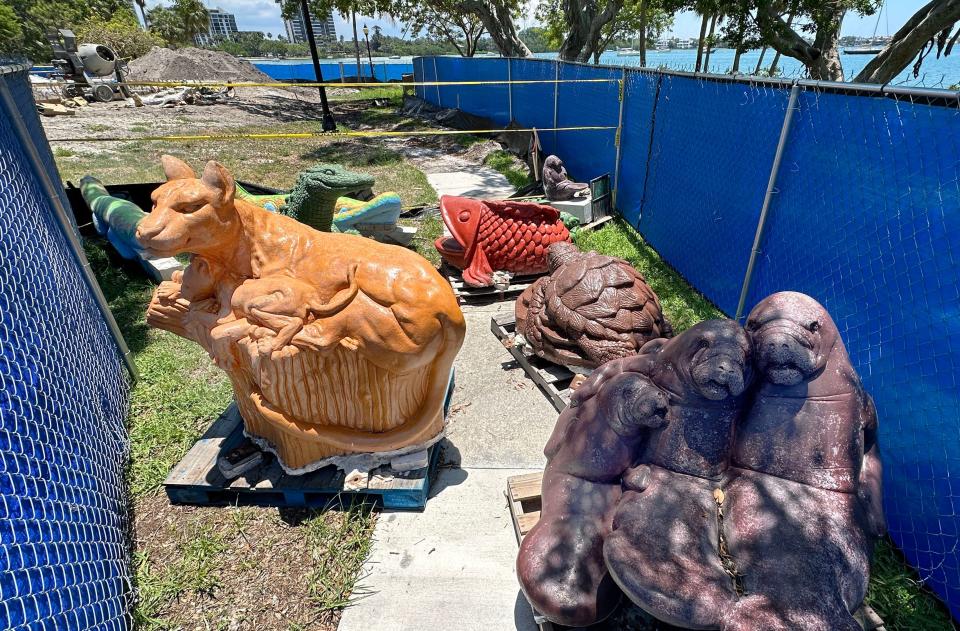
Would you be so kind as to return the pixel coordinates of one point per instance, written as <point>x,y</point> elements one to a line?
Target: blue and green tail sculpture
<point>114,218</point>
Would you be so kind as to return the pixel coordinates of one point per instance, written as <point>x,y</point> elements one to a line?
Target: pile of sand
<point>192,64</point>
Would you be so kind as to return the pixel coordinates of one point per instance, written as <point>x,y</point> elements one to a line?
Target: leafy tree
<point>536,39</point>
<point>121,32</point>
<point>36,17</point>
<point>193,16</point>
<point>11,35</point>
<point>819,21</point>
<point>442,19</point>
<point>165,24</point>
<point>594,31</point>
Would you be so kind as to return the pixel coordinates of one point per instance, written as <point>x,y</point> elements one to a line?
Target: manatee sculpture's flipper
<point>803,567</point>
<point>663,551</point>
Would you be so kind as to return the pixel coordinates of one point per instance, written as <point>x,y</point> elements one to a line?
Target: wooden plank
<point>527,521</point>
<point>553,380</point>
<point>526,486</point>
<point>467,293</point>
<point>196,479</point>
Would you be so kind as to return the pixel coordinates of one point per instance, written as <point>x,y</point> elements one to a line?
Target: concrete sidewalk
<point>452,566</point>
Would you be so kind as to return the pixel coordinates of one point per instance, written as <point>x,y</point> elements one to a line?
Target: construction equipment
<point>92,69</point>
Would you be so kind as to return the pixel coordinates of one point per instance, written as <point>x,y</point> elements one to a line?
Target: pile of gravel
<point>192,64</point>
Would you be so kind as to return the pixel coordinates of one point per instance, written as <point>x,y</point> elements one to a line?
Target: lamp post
<point>328,124</point>
<point>366,33</point>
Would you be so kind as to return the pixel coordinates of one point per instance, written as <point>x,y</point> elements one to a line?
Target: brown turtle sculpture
<point>590,309</point>
<point>743,509</point>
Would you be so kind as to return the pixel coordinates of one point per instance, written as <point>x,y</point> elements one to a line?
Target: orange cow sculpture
<point>334,344</point>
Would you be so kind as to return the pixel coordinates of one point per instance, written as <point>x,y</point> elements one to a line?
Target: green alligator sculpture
<point>319,199</point>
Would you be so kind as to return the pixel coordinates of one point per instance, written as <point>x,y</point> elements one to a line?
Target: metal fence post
<point>764,210</point>
<point>617,140</point>
<point>509,90</point>
<point>436,79</point>
<point>556,104</point>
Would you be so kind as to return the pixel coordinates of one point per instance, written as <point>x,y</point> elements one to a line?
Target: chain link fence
<point>853,198</point>
<point>64,544</point>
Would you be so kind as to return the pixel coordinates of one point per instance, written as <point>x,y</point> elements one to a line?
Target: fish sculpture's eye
<point>464,216</point>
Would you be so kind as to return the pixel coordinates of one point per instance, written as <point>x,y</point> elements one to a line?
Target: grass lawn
<point>260,568</point>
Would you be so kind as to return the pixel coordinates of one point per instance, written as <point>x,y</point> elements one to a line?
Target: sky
<point>264,15</point>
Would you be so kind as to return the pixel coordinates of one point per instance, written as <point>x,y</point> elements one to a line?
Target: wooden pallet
<point>467,294</point>
<point>554,380</point>
<point>197,479</point>
<point>523,498</point>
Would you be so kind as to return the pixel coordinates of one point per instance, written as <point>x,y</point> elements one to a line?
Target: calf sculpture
<point>334,344</point>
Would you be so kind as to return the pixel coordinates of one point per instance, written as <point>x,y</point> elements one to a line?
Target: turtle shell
<point>591,309</point>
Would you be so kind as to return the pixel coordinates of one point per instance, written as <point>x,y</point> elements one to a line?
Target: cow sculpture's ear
<point>216,177</point>
<point>176,169</point>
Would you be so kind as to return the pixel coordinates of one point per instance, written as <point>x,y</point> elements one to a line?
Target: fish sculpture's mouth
<point>452,251</point>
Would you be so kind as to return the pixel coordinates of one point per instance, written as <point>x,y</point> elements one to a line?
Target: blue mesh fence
<point>64,561</point>
<point>303,70</point>
<point>867,219</point>
<point>864,216</point>
<point>588,154</point>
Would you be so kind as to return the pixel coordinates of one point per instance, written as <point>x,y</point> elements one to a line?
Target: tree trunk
<point>356,45</point>
<point>498,22</point>
<point>907,43</point>
<point>703,35</point>
<point>706,57</point>
<point>143,14</point>
<point>585,25</point>
<point>763,53</point>
<point>643,33</point>
<point>822,58</point>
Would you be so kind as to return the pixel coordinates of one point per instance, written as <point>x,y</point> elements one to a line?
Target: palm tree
<point>193,17</point>
<point>143,12</point>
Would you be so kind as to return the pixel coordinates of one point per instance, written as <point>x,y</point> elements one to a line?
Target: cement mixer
<point>93,70</point>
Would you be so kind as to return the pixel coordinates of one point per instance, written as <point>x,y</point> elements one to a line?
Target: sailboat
<point>875,45</point>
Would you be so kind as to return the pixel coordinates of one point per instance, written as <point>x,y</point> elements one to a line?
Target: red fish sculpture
<point>490,236</point>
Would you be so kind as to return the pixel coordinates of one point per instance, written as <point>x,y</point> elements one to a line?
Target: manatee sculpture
<point>560,565</point>
<point>334,344</point>
<point>590,309</point>
<point>807,471</point>
<point>750,508</point>
<point>663,548</point>
<point>557,185</point>
<point>635,424</point>
<point>488,236</point>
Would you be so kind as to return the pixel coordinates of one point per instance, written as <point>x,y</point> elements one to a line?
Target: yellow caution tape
<point>326,84</point>
<point>321,134</point>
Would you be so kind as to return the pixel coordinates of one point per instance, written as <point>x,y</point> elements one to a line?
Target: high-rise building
<point>296,32</point>
<point>223,25</point>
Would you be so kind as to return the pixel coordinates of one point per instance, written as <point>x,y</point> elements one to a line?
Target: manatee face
<point>792,337</point>
<point>718,358</point>
<point>634,404</point>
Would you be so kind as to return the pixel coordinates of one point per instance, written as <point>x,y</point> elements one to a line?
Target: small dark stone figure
<point>591,309</point>
<point>557,185</point>
<point>730,506</point>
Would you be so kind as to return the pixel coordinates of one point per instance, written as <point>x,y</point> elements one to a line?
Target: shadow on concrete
<point>523,614</point>
<point>447,477</point>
